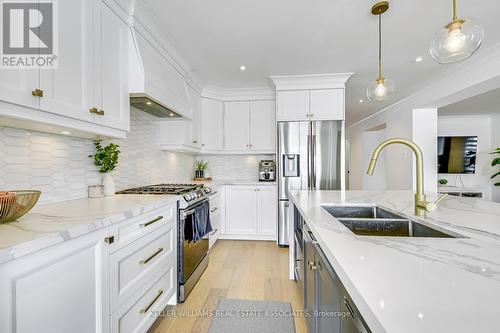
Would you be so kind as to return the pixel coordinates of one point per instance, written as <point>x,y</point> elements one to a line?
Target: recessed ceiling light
<point>149,103</point>
<point>419,59</point>
<point>171,115</point>
<point>361,101</point>
<point>243,68</point>
<point>65,133</point>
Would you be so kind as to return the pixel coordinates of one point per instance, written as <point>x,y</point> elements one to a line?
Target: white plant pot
<point>109,184</point>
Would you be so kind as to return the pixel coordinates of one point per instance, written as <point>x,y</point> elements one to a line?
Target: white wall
<point>378,181</point>
<point>495,143</point>
<point>424,134</point>
<point>59,165</point>
<point>479,126</point>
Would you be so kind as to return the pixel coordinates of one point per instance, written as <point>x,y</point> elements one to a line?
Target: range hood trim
<point>145,78</point>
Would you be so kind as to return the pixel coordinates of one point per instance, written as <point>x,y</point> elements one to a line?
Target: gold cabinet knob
<point>37,93</point>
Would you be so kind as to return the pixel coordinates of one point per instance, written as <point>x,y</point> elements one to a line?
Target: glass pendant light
<point>457,41</point>
<point>382,88</point>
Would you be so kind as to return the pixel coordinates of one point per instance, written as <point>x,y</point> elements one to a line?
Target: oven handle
<point>186,213</point>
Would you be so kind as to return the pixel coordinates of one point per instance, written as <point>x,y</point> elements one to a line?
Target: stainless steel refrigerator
<point>309,158</point>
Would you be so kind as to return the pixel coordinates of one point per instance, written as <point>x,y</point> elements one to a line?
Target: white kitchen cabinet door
<point>110,68</point>
<point>293,105</point>
<point>237,126</point>
<point>195,126</point>
<point>67,88</point>
<point>16,86</point>
<point>267,209</point>
<point>61,289</point>
<point>262,126</point>
<point>241,211</point>
<point>327,104</point>
<point>212,124</point>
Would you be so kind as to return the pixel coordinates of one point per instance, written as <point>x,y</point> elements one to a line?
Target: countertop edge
<point>49,239</point>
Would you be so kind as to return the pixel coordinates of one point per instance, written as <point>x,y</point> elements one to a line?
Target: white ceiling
<point>484,104</point>
<point>286,37</point>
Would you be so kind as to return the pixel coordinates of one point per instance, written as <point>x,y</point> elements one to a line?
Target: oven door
<point>193,253</point>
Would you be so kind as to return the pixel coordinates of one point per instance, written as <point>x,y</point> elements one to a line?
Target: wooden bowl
<point>14,204</point>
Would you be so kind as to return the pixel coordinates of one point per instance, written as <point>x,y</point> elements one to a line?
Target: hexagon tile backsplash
<point>59,165</point>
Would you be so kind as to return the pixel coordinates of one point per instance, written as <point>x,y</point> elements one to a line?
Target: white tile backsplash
<point>59,165</point>
<point>234,167</point>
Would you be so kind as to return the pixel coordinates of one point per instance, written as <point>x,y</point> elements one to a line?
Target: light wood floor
<point>252,270</point>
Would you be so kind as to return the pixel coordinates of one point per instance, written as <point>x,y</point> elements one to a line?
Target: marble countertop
<point>50,224</point>
<point>415,285</point>
<point>251,182</point>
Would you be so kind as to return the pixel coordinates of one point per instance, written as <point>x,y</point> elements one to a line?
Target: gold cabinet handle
<point>145,261</point>
<point>97,112</point>
<point>194,141</point>
<point>146,309</point>
<point>143,225</point>
<point>37,93</point>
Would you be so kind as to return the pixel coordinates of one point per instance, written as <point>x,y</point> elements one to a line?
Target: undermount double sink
<point>372,220</point>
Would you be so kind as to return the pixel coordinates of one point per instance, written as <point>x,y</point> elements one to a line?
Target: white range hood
<point>156,86</point>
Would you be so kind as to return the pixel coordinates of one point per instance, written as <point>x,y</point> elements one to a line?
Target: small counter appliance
<point>267,171</point>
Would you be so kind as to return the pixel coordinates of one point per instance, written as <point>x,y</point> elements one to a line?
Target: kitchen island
<point>413,284</point>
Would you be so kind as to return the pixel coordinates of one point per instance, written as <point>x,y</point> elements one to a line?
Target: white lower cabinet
<point>250,213</point>
<point>110,280</point>
<point>215,219</point>
<point>61,289</point>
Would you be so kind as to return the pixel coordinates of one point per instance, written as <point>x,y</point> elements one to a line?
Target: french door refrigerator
<point>309,158</point>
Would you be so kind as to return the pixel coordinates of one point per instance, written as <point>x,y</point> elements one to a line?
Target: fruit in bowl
<point>15,204</point>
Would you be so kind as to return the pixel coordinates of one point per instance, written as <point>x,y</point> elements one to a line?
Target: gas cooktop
<point>190,193</point>
<point>175,189</point>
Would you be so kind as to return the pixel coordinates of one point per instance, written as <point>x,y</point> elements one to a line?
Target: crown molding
<point>238,94</point>
<point>315,81</point>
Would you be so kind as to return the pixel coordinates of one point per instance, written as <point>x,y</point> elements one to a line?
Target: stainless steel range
<point>193,256</point>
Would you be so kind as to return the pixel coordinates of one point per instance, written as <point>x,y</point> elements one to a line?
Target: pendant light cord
<point>455,17</point>
<point>380,46</point>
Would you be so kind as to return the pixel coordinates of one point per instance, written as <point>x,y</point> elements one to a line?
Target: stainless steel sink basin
<point>376,221</point>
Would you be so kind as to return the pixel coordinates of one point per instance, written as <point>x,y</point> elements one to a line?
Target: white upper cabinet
<point>262,126</point>
<point>212,129</point>
<point>110,68</point>
<point>195,100</point>
<point>88,92</point>
<point>237,125</point>
<point>302,105</point>
<point>310,97</point>
<point>249,126</point>
<point>66,90</point>
<point>327,104</point>
<point>293,105</point>
<point>16,86</point>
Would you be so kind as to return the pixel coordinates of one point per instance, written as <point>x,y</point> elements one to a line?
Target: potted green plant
<point>442,182</point>
<point>106,159</point>
<point>201,166</point>
<point>495,162</point>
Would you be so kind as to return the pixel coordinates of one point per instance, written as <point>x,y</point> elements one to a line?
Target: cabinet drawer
<point>138,313</point>
<point>128,231</point>
<point>134,264</point>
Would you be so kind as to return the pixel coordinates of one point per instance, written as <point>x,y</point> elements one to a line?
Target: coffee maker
<point>267,171</point>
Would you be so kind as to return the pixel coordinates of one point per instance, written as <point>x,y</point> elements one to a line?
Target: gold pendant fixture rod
<point>455,17</point>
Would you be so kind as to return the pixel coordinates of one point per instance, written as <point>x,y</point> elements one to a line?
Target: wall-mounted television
<point>457,154</point>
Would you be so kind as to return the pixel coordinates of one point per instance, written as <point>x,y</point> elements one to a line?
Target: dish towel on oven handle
<point>200,225</point>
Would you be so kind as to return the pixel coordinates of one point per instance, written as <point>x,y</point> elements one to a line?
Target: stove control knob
<point>186,197</point>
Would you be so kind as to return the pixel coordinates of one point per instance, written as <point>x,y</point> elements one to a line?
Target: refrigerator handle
<point>309,162</point>
<point>313,170</point>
